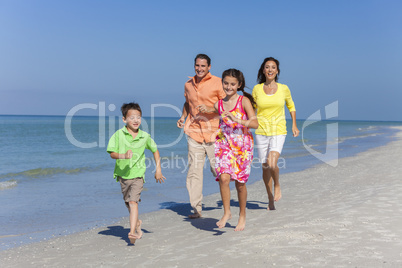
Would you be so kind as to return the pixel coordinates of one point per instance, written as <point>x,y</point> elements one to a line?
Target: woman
<point>271,98</point>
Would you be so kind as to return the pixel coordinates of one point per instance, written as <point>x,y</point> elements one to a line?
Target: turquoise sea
<point>56,177</point>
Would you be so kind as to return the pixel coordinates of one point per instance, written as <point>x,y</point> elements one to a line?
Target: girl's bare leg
<point>224,181</point>
<point>242,196</point>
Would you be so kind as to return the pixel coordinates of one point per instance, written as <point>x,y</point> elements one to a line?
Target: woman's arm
<point>295,130</point>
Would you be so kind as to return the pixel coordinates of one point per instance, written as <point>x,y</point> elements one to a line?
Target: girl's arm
<point>252,121</point>
<point>206,109</point>
<point>158,171</point>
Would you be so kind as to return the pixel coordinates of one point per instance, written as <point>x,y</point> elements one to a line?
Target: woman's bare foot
<point>132,238</point>
<point>138,229</point>
<point>277,194</point>
<point>241,224</point>
<point>223,221</point>
<point>195,215</point>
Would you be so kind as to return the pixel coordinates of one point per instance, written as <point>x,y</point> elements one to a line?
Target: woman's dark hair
<point>130,106</point>
<point>261,77</point>
<point>203,57</point>
<point>240,77</point>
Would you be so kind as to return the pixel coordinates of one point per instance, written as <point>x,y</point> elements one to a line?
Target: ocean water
<point>56,177</point>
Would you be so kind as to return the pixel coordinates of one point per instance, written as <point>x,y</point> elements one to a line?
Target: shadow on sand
<point>119,231</point>
<point>203,223</point>
<point>184,209</point>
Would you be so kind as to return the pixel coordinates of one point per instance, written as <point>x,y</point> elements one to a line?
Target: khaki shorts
<point>131,189</point>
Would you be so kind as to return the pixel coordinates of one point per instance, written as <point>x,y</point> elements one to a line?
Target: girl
<point>234,143</point>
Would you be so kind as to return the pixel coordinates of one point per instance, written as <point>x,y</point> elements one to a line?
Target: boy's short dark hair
<point>130,106</point>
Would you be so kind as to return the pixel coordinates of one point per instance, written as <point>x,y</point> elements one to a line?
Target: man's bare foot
<point>241,224</point>
<point>195,215</point>
<point>223,221</point>
<point>277,194</point>
<point>132,238</point>
<point>271,207</point>
<point>138,229</point>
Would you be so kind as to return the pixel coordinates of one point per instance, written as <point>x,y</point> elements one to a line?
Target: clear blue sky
<point>55,55</point>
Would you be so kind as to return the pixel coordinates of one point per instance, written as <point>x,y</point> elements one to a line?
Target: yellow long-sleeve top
<point>271,109</point>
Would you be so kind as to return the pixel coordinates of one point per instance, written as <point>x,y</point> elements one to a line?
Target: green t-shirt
<point>121,142</point>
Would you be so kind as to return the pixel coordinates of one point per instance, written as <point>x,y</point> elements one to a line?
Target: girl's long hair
<point>240,77</point>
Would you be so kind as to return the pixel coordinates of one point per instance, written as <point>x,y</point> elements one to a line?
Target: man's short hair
<point>203,57</point>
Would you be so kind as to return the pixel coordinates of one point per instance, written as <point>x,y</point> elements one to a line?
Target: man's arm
<point>180,122</point>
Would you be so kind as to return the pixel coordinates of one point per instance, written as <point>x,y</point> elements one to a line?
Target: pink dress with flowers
<point>233,145</point>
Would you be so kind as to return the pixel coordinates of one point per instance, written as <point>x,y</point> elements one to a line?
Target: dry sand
<point>344,216</point>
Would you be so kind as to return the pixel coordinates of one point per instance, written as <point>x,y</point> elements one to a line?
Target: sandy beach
<point>344,216</point>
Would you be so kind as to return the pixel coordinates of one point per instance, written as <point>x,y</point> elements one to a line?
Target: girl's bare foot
<point>241,224</point>
<point>223,221</point>
<point>138,229</point>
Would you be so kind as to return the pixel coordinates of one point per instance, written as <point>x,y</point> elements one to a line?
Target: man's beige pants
<point>196,160</point>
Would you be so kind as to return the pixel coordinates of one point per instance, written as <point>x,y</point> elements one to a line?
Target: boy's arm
<point>127,155</point>
<point>158,171</point>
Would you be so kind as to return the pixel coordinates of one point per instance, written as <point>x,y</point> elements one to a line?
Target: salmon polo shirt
<point>201,127</point>
<point>121,142</point>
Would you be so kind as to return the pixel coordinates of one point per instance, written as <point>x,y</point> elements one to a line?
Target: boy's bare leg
<point>133,221</point>
<point>242,196</point>
<point>138,229</point>
<point>224,181</point>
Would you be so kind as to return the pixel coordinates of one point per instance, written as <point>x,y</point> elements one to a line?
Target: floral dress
<point>233,145</point>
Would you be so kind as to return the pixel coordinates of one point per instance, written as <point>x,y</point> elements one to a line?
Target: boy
<point>127,146</point>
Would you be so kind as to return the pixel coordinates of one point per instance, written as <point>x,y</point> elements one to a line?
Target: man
<point>203,88</point>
